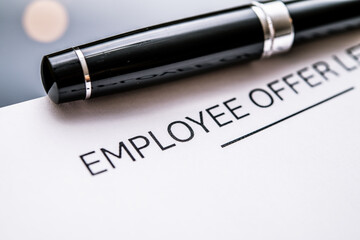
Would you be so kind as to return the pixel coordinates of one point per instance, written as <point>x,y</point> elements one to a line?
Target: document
<point>264,150</point>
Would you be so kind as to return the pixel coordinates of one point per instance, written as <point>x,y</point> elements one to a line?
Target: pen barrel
<point>316,18</point>
<point>155,54</point>
<point>176,49</point>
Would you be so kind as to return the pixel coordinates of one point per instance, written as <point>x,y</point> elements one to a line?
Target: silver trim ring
<point>277,26</point>
<point>85,69</point>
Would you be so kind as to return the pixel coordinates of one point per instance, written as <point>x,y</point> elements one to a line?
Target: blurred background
<point>30,29</point>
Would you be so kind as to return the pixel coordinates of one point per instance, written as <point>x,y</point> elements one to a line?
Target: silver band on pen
<point>277,26</point>
<point>85,69</point>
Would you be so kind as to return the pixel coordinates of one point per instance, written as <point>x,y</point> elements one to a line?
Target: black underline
<point>285,118</point>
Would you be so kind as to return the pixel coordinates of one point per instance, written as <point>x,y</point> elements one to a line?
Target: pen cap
<point>154,54</point>
<point>63,77</point>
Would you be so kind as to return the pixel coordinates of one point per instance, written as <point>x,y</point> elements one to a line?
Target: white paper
<point>298,178</point>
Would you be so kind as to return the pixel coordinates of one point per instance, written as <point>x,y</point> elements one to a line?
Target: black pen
<point>191,45</point>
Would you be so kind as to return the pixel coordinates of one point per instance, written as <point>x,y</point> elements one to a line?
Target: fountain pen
<point>176,49</point>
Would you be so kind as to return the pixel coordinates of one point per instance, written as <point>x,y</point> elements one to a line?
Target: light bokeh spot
<point>45,20</point>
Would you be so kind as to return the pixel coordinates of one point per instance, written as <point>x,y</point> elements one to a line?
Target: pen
<point>184,47</point>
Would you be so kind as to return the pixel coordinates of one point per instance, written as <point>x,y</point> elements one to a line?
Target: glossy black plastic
<point>183,47</point>
<point>155,54</point>
<point>316,18</point>
<point>62,76</point>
